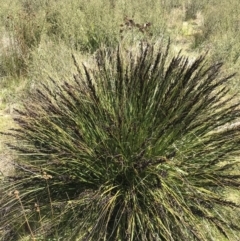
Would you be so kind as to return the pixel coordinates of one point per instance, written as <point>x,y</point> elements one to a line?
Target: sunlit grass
<point>135,147</point>
<point>48,32</point>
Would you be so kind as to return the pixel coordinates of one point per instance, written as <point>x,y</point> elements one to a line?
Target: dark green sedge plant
<point>138,147</point>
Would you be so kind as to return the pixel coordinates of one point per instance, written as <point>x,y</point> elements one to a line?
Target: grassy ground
<point>5,155</point>
<point>37,39</point>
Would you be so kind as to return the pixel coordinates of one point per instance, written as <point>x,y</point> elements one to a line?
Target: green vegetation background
<point>37,36</point>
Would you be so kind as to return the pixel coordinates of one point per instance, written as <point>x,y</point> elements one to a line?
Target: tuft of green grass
<point>135,147</point>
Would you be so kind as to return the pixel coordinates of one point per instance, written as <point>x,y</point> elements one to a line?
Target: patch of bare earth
<point>6,156</point>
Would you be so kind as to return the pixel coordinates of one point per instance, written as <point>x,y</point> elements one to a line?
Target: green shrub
<point>137,147</point>
<point>86,26</point>
<point>83,25</point>
<point>23,33</point>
